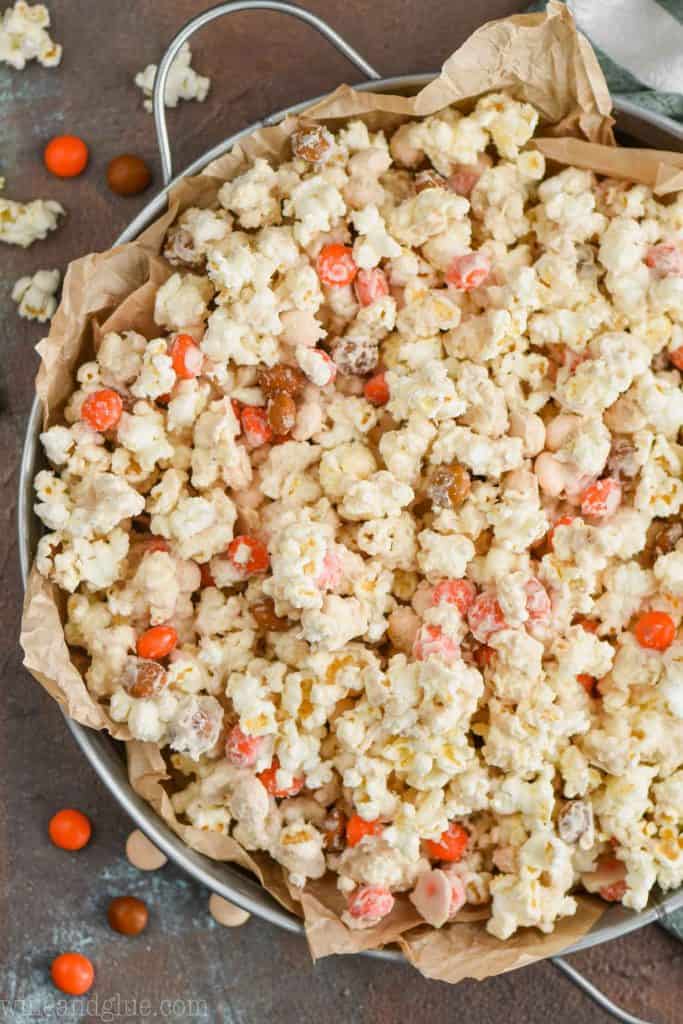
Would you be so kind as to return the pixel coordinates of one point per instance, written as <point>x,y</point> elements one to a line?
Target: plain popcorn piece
<point>183,82</point>
<point>24,36</point>
<point>25,223</point>
<point>36,296</point>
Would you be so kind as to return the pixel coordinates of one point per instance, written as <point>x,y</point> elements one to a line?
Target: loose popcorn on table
<point>24,36</point>
<point>36,295</point>
<point>25,223</point>
<point>182,83</point>
<point>378,537</point>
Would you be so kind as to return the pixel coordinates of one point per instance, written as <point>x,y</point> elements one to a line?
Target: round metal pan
<point>104,754</point>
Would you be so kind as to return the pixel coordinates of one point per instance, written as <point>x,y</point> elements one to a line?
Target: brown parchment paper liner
<point>539,58</point>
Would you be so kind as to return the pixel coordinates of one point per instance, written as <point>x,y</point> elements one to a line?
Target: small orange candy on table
<point>335,265</point>
<point>102,409</point>
<point>157,642</point>
<point>186,356</point>
<point>451,845</point>
<point>72,973</point>
<point>70,829</point>
<point>655,630</point>
<point>66,156</point>
<point>357,828</point>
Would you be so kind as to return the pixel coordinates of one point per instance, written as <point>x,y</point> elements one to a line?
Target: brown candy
<point>575,818</point>
<point>313,143</point>
<point>127,915</point>
<point>143,677</point>
<point>622,460</point>
<point>449,486</point>
<point>128,175</point>
<point>669,536</point>
<point>333,829</point>
<point>264,613</point>
<point>281,414</point>
<point>428,179</point>
<point>355,356</point>
<point>281,379</point>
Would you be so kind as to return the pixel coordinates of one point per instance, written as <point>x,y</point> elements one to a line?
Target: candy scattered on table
<point>227,913</point>
<point>70,829</point>
<point>73,973</point>
<point>183,82</point>
<point>128,175</point>
<point>128,915</point>
<point>66,156</point>
<point>36,295</point>
<point>142,853</point>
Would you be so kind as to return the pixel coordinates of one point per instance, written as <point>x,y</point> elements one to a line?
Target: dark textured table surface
<point>51,901</point>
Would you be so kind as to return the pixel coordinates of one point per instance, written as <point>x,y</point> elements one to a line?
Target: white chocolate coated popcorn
<point>410,514</point>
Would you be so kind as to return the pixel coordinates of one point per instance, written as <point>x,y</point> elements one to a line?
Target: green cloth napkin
<point>625,27</point>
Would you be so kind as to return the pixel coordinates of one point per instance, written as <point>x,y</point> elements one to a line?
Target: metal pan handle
<point>195,24</point>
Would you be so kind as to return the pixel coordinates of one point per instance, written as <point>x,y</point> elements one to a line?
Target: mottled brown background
<point>50,901</point>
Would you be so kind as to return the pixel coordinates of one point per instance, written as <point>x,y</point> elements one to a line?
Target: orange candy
<point>370,285</point>
<point>588,682</point>
<point>268,778</point>
<point>248,554</point>
<point>469,270</point>
<point>255,425</point>
<point>655,631</point>
<point>69,829</point>
<point>451,846</point>
<point>241,749</point>
<point>335,265</point>
<point>431,641</point>
<point>370,902</point>
<point>102,409</point>
<point>186,357</point>
<point>157,642</point>
<point>562,521</point>
<point>601,499</point>
<point>376,389</point>
<point>73,973</point>
<point>357,828</point>
<point>66,156</point>
<point>485,617</point>
<point>676,357</point>
<point>461,593</point>
<point>613,893</point>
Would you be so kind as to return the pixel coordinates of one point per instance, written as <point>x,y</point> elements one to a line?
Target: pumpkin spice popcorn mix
<point>378,538</point>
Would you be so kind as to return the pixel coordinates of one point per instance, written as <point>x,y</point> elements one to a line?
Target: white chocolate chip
<point>226,913</point>
<point>142,854</point>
